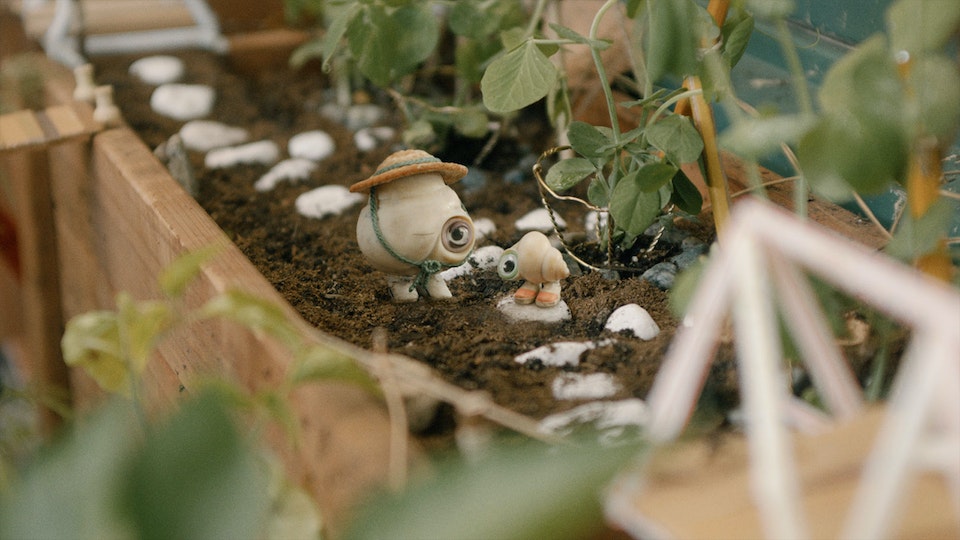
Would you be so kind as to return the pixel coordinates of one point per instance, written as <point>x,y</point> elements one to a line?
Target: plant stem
<point>535,17</point>
<point>602,72</point>
<point>804,101</point>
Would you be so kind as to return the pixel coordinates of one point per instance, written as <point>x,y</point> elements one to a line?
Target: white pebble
<point>205,135</point>
<point>561,353</point>
<point>531,312</point>
<point>571,386</point>
<point>593,222</point>
<point>313,145</point>
<point>157,70</point>
<point>611,417</point>
<point>368,138</point>
<point>539,220</point>
<point>288,169</point>
<point>484,227</point>
<point>481,259</point>
<point>183,101</point>
<point>635,319</point>
<point>260,152</point>
<point>327,201</point>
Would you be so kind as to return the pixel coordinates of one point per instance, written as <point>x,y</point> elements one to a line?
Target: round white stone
<point>610,417</point>
<point>481,258</point>
<point>158,69</point>
<point>327,201</point>
<point>580,386</point>
<point>313,145</point>
<point>260,152</point>
<point>561,353</point>
<point>484,227</point>
<point>368,138</point>
<point>533,312</point>
<point>206,135</point>
<point>295,169</point>
<point>539,220</point>
<point>634,319</point>
<point>183,101</point>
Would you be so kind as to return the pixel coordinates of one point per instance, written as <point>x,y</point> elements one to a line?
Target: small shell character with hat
<point>414,224</point>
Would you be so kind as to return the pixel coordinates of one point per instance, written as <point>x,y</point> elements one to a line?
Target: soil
<point>318,268</point>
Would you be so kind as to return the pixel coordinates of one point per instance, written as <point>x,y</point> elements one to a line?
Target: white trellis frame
<point>61,44</point>
<point>756,265</point>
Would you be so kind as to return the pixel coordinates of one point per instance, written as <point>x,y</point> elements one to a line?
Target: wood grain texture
<point>703,489</point>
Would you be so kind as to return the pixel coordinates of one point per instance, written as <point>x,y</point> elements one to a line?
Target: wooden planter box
<point>96,214</point>
<point>93,213</point>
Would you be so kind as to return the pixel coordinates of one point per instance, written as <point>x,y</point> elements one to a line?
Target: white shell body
<point>538,260</point>
<point>412,212</point>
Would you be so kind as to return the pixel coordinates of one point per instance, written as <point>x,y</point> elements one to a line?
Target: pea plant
<point>120,473</point>
<point>408,48</point>
<point>890,111</point>
<point>633,175</point>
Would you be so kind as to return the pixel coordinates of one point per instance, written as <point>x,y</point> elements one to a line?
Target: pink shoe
<point>547,299</point>
<point>524,296</point>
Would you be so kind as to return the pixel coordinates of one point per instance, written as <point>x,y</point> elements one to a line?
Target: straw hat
<point>408,163</point>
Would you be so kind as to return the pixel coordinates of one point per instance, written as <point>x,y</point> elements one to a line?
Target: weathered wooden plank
<point>141,220</point>
<point>28,175</point>
<point>56,125</point>
<point>703,490</point>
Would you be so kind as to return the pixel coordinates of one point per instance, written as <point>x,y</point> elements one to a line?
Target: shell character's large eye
<point>509,265</point>
<point>457,234</point>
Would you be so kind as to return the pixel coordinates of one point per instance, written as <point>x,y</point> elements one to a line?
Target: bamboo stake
<point>699,110</point>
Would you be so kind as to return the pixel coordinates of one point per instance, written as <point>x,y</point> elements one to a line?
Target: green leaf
<point>471,122</point>
<point>671,46</point>
<point>419,134</point>
<point>389,45</point>
<point>865,83</point>
<point>736,36</point>
<point>254,313</point>
<point>91,341</point>
<point>324,364</point>
<point>569,172</point>
<point>180,273</point>
<point>589,141</point>
<point>71,488</point>
<point>686,195</point>
<point>918,26</point>
<point>311,49</point>
<point>511,38</point>
<point>480,20</point>
<point>517,79</point>
<point>598,193</point>
<point>142,324</point>
<point>196,478</point>
<point>566,33</point>
<point>470,19</point>
<point>633,209</point>
<point>471,57</point>
<point>653,176</point>
<point>842,152</point>
<point>759,137</point>
<point>342,18</point>
<point>917,237</point>
<point>526,492</point>
<point>676,136</point>
<point>935,85</point>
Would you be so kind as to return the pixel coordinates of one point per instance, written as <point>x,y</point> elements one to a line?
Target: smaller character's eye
<point>508,267</point>
<point>457,234</point>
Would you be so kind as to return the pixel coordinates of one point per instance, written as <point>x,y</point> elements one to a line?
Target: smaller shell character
<point>539,264</point>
